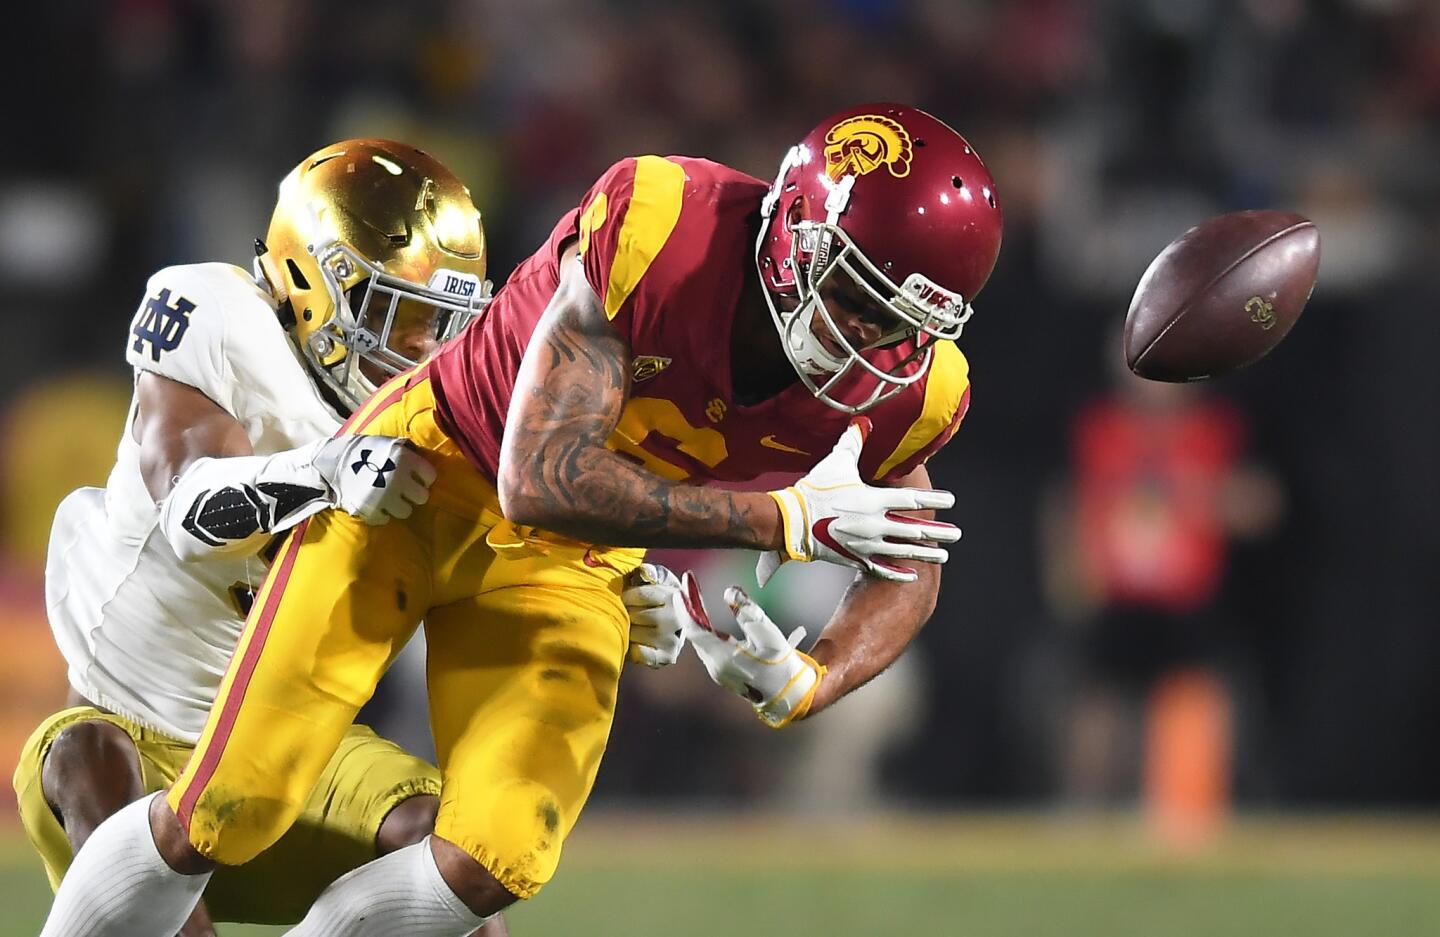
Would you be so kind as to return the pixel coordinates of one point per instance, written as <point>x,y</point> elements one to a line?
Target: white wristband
<point>796,523</point>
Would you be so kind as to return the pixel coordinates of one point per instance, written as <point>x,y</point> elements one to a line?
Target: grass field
<point>968,876</point>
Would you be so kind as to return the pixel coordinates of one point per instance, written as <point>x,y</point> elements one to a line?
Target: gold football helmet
<point>377,255</point>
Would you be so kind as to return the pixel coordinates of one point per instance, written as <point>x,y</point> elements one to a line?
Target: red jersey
<point>1148,491</point>
<point>667,243</point>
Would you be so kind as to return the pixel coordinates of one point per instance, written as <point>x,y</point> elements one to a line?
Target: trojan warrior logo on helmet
<point>860,145</point>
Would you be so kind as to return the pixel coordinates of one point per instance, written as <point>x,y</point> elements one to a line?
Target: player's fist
<point>764,667</point>
<point>374,478</point>
<point>832,515</point>
<point>656,637</point>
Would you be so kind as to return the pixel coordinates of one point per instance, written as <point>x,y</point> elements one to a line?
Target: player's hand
<point>655,627</point>
<point>374,478</point>
<point>765,667</point>
<point>832,515</point>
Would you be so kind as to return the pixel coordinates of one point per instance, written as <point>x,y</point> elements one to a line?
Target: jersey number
<point>241,594</point>
<point>645,415</point>
<point>243,597</point>
<point>592,219</point>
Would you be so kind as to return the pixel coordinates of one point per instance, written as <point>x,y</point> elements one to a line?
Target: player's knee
<point>172,841</point>
<point>89,757</point>
<point>409,822</point>
<point>231,823</point>
<point>520,853</point>
<point>471,882</point>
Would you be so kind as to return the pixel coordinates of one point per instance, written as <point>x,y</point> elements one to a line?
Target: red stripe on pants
<point>245,669</point>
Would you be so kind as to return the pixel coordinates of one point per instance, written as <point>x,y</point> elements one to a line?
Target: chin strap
<point>837,198</point>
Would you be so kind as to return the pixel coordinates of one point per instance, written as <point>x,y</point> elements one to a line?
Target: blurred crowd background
<point>1187,598</point>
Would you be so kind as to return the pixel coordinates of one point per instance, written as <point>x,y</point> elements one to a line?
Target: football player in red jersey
<point>685,324</point>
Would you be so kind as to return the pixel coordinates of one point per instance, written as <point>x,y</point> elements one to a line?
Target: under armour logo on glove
<point>380,470</point>
<point>401,479</point>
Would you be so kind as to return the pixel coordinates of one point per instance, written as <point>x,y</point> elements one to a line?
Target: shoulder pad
<point>919,421</point>
<point>626,217</point>
<point>183,324</point>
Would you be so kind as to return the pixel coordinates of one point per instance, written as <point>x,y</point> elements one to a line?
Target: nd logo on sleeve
<point>162,324</point>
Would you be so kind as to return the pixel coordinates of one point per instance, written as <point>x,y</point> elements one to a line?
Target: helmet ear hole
<point>297,279</point>
<point>794,214</point>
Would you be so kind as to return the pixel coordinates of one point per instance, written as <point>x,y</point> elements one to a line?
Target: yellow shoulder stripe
<point>944,389</point>
<point>654,209</point>
<point>593,218</point>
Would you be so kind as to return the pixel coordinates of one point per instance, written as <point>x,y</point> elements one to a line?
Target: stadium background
<point>1269,764</point>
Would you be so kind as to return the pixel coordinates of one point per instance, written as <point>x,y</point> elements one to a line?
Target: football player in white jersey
<point>375,254</point>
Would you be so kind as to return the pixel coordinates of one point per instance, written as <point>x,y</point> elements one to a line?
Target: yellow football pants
<point>363,781</point>
<point>526,637</point>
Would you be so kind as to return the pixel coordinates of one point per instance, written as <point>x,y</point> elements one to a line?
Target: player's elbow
<point>521,498</point>
<point>925,591</point>
<point>529,503</point>
<point>551,486</point>
<point>927,607</point>
<point>518,507</point>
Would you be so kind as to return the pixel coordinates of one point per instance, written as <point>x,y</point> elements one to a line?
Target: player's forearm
<point>875,622</point>
<point>592,494</point>
<point>232,506</point>
<point>555,471</point>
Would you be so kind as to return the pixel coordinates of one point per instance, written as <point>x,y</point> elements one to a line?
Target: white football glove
<point>655,628</point>
<point>765,667</point>
<point>832,515</point>
<point>374,478</point>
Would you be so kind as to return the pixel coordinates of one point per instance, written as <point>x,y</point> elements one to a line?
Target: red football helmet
<point>895,201</point>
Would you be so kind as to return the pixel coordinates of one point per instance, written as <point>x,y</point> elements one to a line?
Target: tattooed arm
<point>555,471</point>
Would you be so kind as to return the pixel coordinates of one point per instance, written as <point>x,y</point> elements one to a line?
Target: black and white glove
<point>231,506</point>
<point>655,627</point>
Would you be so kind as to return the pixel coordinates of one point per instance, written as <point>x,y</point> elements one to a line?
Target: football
<point>1221,295</point>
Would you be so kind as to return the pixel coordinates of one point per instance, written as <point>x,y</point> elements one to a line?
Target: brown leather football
<point>1221,295</point>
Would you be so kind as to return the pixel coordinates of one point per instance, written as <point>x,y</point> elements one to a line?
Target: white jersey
<point>144,633</point>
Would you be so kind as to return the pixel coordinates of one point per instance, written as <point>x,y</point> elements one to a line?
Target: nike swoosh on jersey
<point>769,443</point>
